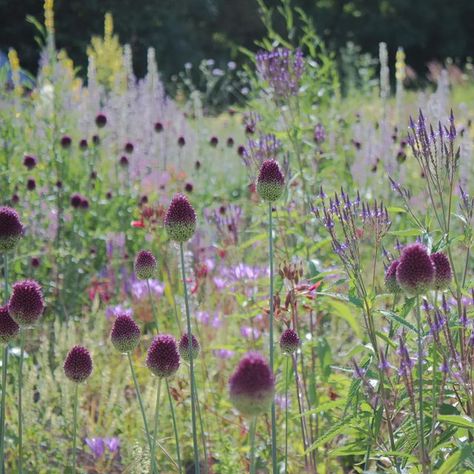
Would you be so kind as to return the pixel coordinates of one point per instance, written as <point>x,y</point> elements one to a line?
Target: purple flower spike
<point>8,327</point>
<point>78,364</point>
<point>125,334</point>
<point>145,265</point>
<point>416,271</point>
<point>270,181</point>
<point>184,347</point>
<point>391,283</point>
<point>11,229</point>
<point>289,341</point>
<point>443,273</point>
<point>26,303</point>
<point>180,219</point>
<point>163,358</point>
<point>252,385</point>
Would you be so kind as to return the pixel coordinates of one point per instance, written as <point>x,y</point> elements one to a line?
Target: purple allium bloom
<point>76,200</point>
<point>289,341</point>
<point>84,203</point>
<point>66,142</point>
<point>78,364</point>
<point>223,353</point>
<point>443,273</point>
<point>184,347</point>
<point>252,385</point>
<point>416,271</point>
<point>145,265</point>
<point>128,147</point>
<point>230,142</point>
<point>163,357</point>
<point>188,187</point>
<point>158,127</point>
<point>270,181</point>
<point>101,120</point>
<point>319,133</point>
<point>29,161</point>
<point>181,142</point>
<point>214,141</point>
<point>83,144</point>
<point>124,161</point>
<point>96,139</point>
<point>31,184</point>
<point>125,334</point>
<point>26,303</point>
<point>180,219</point>
<point>35,262</point>
<point>11,229</point>
<point>391,283</point>
<point>8,327</point>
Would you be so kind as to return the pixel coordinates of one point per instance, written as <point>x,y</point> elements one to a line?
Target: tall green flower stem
<point>74,432</point>
<point>153,306</point>
<point>155,422</point>
<point>201,426</point>
<point>253,427</point>
<point>4,375</point>
<point>270,252</point>
<point>175,429</point>
<point>191,363</point>
<point>287,376</point>
<point>20,401</point>
<point>142,409</point>
<point>420,387</point>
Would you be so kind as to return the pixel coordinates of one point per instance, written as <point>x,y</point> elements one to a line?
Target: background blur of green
<point>190,30</point>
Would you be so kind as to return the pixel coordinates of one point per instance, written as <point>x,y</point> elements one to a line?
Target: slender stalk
<point>253,426</point>
<point>191,363</point>
<point>153,307</point>
<point>287,376</point>
<point>142,409</point>
<point>74,432</point>
<point>175,429</point>
<point>155,422</point>
<point>20,402</point>
<point>270,249</point>
<point>201,426</point>
<point>4,375</point>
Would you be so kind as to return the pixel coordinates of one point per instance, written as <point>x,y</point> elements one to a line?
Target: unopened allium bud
<point>101,120</point>
<point>125,334</point>
<point>26,303</point>
<point>29,161</point>
<point>416,271</point>
<point>78,364</point>
<point>180,219</point>
<point>11,229</point>
<point>145,265</point>
<point>443,273</point>
<point>184,347</point>
<point>391,283</point>
<point>252,385</point>
<point>8,327</point>
<point>163,357</point>
<point>289,341</point>
<point>270,181</point>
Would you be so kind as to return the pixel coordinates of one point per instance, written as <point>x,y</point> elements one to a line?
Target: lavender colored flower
<point>140,288</point>
<point>270,181</point>
<point>113,444</point>
<point>443,273</point>
<point>163,357</point>
<point>223,354</point>
<point>113,311</point>
<point>416,271</point>
<point>125,334</point>
<point>319,133</point>
<point>8,327</point>
<point>26,303</point>
<point>183,347</point>
<point>289,341</point>
<point>249,332</point>
<point>29,162</point>
<point>252,385</point>
<point>101,120</point>
<point>11,229</point>
<point>391,283</point>
<point>145,265</point>
<point>96,445</point>
<point>180,219</point>
<point>78,364</point>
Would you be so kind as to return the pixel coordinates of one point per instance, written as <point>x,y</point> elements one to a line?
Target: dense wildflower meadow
<point>282,287</point>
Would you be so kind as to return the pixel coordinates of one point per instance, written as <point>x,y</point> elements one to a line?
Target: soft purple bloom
<point>249,332</point>
<point>112,311</point>
<point>96,445</point>
<point>140,289</point>
<point>223,353</point>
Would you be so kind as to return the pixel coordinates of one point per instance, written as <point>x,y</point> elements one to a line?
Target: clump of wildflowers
<point>78,364</point>
<point>125,334</point>
<point>180,219</point>
<point>11,229</point>
<point>163,357</point>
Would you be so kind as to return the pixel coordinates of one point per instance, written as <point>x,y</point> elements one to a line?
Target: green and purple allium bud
<point>11,229</point>
<point>26,303</point>
<point>443,273</point>
<point>163,357</point>
<point>252,385</point>
<point>180,219</point>
<point>289,341</point>
<point>8,327</point>
<point>270,181</point>
<point>78,364</point>
<point>416,271</point>
<point>391,283</point>
<point>184,347</point>
<point>125,334</point>
<point>145,265</point>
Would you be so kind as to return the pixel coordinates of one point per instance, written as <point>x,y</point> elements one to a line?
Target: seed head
<point>78,364</point>
<point>289,341</point>
<point>184,347</point>
<point>8,327</point>
<point>416,271</point>
<point>11,229</point>
<point>163,358</point>
<point>252,385</point>
<point>145,265</point>
<point>443,273</point>
<point>125,334</point>
<point>26,303</point>
<point>180,219</point>
<point>270,181</point>
<point>391,283</point>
